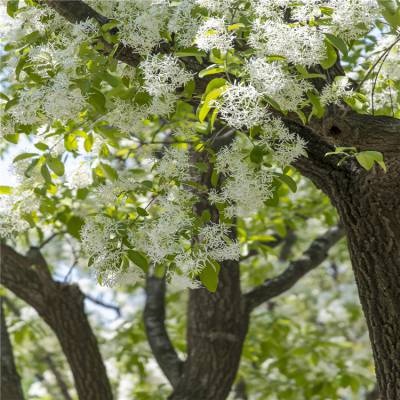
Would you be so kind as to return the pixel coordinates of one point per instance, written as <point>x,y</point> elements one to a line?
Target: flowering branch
<point>310,259</point>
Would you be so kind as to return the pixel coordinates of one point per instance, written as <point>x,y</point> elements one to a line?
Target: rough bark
<point>61,307</point>
<point>10,387</point>
<point>369,206</point>
<point>217,326</point>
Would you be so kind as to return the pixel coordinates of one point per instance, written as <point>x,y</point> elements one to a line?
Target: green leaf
<point>214,84</point>
<point>138,259</point>
<point>142,212</point>
<point>317,109</point>
<point>109,25</point>
<point>238,25</point>
<point>338,43</point>
<point>6,189</point>
<point>12,138</point>
<point>209,276</point>
<point>12,7</point>
<point>257,154</point>
<point>211,70</point>
<point>207,104</point>
<point>56,165</point>
<point>97,100</point>
<point>74,226</point>
<point>367,159</point>
<point>214,178</point>
<point>41,146</point>
<point>331,56</point>
<point>24,156</point>
<point>45,173</point>
<point>391,12</point>
<point>289,181</point>
<point>109,171</point>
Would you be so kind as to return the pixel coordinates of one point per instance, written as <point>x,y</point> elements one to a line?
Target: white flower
<point>119,278</point>
<point>246,187</point>
<point>272,80</point>
<point>190,265</point>
<point>109,192</point>
<point>223,7</point>
<point>141,23</point>
<point>240,106</point>
<point>298,44</point>
<point>335,92</point>
<point>180,282</point>
<point>352,18</point>
<point>60,101</point>
<point>175,164</point>
<point>160,237</point>
<point>216,243</point>
<point>79,176</point>
<point>270,8</point>
<point>27,110</point>
<point>213,34</point>
<point>96,235</point>
<point>127,116</point>
<point>163,74</point>
<point>284,146</point>
<point>183,24</point>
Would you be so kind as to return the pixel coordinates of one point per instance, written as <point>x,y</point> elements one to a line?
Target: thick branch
<point>310,259</point>
<point>76,11</point>
<point>10,387</point>
<point>61,306</point>
<point>157,335</point>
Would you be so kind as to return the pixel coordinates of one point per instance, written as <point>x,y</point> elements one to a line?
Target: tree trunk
<point>62,307</point>
<point>368,203</point>
<point>370,211</point>
<point>217,326</point>
<point>10,387</point>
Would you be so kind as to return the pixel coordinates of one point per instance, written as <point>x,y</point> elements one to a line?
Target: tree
<point>225,96</point>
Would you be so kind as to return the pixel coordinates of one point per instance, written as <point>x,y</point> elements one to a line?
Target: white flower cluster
<point>163,74</point>
<point>55,101</point>
<point>301,44</point>
<point>285,147</point>
<point>352,18</point>
<point>246,188</point>
<point>174,165</point>
<point>216,243</point>
<point>241,106</point>
<point>99,238</point>
<point>223,7</point>
<point>108,193</point>
<point>141,23</point>
<point>126,116</point>
<point>183,24</point>
<point>79,176</point>
<point>336,91</point>
<point>272,80</point>
<point>160,237</point>
<point>213,34</point>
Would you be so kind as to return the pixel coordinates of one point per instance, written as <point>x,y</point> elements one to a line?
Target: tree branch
<point>157,335</point>
<point>76,11</point>
<point>10,387</point>
<point>62,307</point>
<point>310,259</point>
